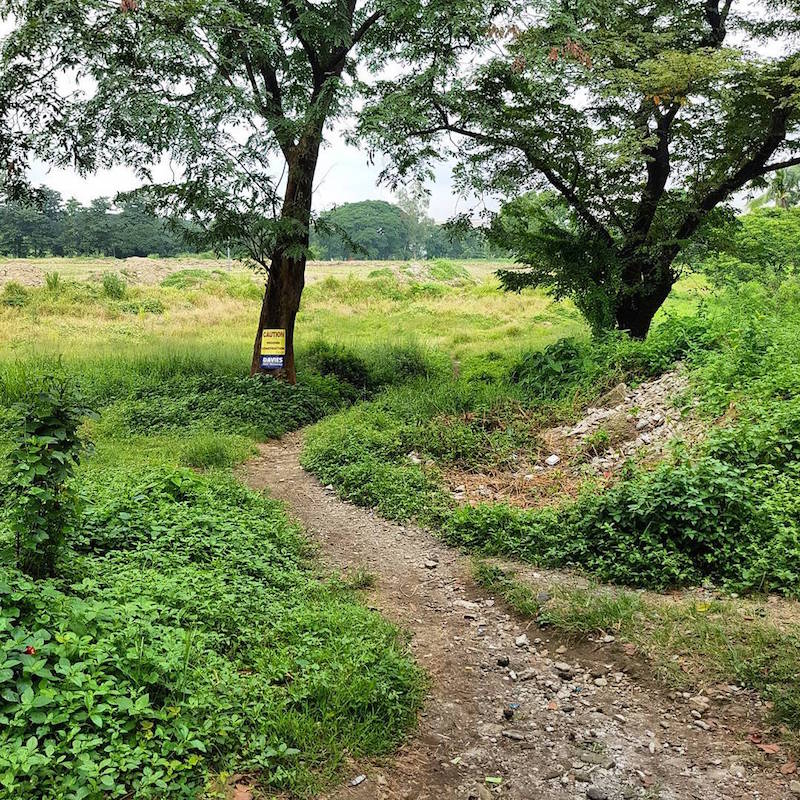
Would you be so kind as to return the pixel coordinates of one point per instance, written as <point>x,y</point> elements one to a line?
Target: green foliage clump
<point>114,286</point>
<point>369,369</point>
<point>190,639</point>
<point>14,295</point>
<point>579,370</point>
<point>443,270</point>
<point>214,450</point>
<point>52,281</point>
<point>150,305</point>
<point>761,246</point>
<point>257,406</point>
<point>45,449</point>
<point>185,279</point>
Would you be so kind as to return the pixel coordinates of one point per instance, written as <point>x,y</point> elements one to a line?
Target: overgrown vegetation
<point>171,626</point>
<point>188,636</point>
<point>45,448</point>
<point>722,511</point>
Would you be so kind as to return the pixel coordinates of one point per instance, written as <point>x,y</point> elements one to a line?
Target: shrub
<point>45,451</point>
<point>114,286</point>
<point>15,295</point>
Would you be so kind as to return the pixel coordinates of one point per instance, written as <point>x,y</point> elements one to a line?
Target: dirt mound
<point>626,424</point>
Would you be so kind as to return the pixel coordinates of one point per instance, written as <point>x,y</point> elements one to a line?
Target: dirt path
<point>583,725</point>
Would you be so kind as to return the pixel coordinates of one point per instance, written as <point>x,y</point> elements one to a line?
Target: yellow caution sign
<point>273,349</point>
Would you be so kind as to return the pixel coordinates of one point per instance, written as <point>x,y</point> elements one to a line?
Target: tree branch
<point>357,36</point>
<point>290,7</point>
<point>791,162</point>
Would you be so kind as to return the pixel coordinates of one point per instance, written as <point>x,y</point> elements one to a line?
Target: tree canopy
<point>369,229</point>
<point>642,116</point>
<point>238,95</point>
<point>51,227</point>
<point>374,229</point>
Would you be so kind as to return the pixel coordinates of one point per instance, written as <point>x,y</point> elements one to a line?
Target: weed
<point>360,579</point>
<point>598,442</point>
<point>190,638</point>
<point>45,451</point>
<point>206,450</point>
<point>52,281</point>
<point>15,295</point>
<point>114,286</point>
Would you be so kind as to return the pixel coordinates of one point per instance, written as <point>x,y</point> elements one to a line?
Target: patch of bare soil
<point>512,711</point>
<point>627,424</point>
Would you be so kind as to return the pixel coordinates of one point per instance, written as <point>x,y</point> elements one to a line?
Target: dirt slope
<point>589,727</point>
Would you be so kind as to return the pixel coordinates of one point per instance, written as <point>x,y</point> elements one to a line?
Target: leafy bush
<point>114,286</point>
<point>45,451</point>
<point>14,295</point>
<point>191,639</point>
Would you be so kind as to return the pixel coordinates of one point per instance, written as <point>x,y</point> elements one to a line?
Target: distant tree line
<point>375,229</point>
<point>372,229</point>
<point>54,227</point>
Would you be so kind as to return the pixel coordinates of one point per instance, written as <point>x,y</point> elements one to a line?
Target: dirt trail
<point>587,728</point>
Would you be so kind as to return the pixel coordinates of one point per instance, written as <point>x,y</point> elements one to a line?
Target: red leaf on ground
<point>769,748</point>
<point>789,768</point>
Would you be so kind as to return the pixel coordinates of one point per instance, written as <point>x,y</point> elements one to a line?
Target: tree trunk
<point>287,269</point>
<point>635,309</point>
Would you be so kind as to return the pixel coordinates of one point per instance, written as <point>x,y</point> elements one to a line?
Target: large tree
<point>642,116</point>
<point>238,94</point>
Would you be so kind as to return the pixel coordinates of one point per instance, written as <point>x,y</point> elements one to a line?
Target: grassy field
<point>197,600</point>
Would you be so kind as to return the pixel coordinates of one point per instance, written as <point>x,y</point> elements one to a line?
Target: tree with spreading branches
<point>238,96</point>
<point>636,120</point>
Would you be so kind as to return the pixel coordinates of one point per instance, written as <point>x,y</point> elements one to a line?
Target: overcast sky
<point>344,175</point>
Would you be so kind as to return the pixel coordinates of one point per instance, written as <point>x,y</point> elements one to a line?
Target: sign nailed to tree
<point>273,349</point>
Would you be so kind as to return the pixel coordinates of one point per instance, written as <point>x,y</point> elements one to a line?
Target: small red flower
<point>30,650</point>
